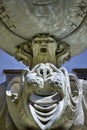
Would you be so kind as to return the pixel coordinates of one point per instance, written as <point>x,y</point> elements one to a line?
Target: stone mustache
<point>43,98</point>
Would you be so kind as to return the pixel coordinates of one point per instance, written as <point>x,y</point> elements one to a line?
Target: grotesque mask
<point>42,98</point>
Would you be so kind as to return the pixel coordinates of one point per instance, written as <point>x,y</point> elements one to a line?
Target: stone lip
<point>45,100</point>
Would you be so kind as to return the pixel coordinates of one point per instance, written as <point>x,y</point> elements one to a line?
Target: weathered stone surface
<point>22,19</point>
<point>43,48</point>
<point>44,98</point>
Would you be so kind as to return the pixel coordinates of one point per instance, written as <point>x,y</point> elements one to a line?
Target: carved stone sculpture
<point>44,98</point>
<point>21,20</point>
<point>43,34</point>
<point>43,48</point>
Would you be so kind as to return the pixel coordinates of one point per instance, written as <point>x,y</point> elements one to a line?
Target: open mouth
<point>45,108</point>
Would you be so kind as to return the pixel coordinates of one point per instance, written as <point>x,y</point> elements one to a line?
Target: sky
<point>79,61</point>
<point>9,62</point>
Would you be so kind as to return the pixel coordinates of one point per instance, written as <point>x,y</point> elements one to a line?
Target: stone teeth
<point>46,114</point>
<point>46,119</point>
<point>45,108</point>
<point>43,115</point>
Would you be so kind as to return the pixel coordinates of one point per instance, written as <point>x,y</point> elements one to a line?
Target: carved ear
<point>77,96</point>
<point>13,88</point>
<point>74,84</point>
<point>23,75</point>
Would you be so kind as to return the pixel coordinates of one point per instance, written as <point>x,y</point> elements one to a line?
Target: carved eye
<point>37,41</point>
<point>47,41</point>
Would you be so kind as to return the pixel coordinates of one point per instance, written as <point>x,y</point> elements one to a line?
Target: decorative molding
<point>74,18</point>
<point>5,17</point>
<point>78,13</point>
<point>81,73</point>
<point>23,53</point>
<point>62,53</point>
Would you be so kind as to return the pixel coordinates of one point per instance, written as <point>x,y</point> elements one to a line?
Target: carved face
<point>40,101</point>
<point>41,46</point>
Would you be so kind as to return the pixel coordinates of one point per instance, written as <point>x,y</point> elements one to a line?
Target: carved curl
<point>24,52</point>
<point>62,53</point>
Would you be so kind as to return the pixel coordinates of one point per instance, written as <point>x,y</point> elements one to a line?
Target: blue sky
<point>9,62</point>
<point>79,61</point>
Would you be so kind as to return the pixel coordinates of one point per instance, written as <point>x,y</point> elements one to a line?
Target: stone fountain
<point>43,35</point>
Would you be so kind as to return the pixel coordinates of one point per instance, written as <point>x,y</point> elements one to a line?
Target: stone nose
<point>44,72</point>
<point>43,42</point>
